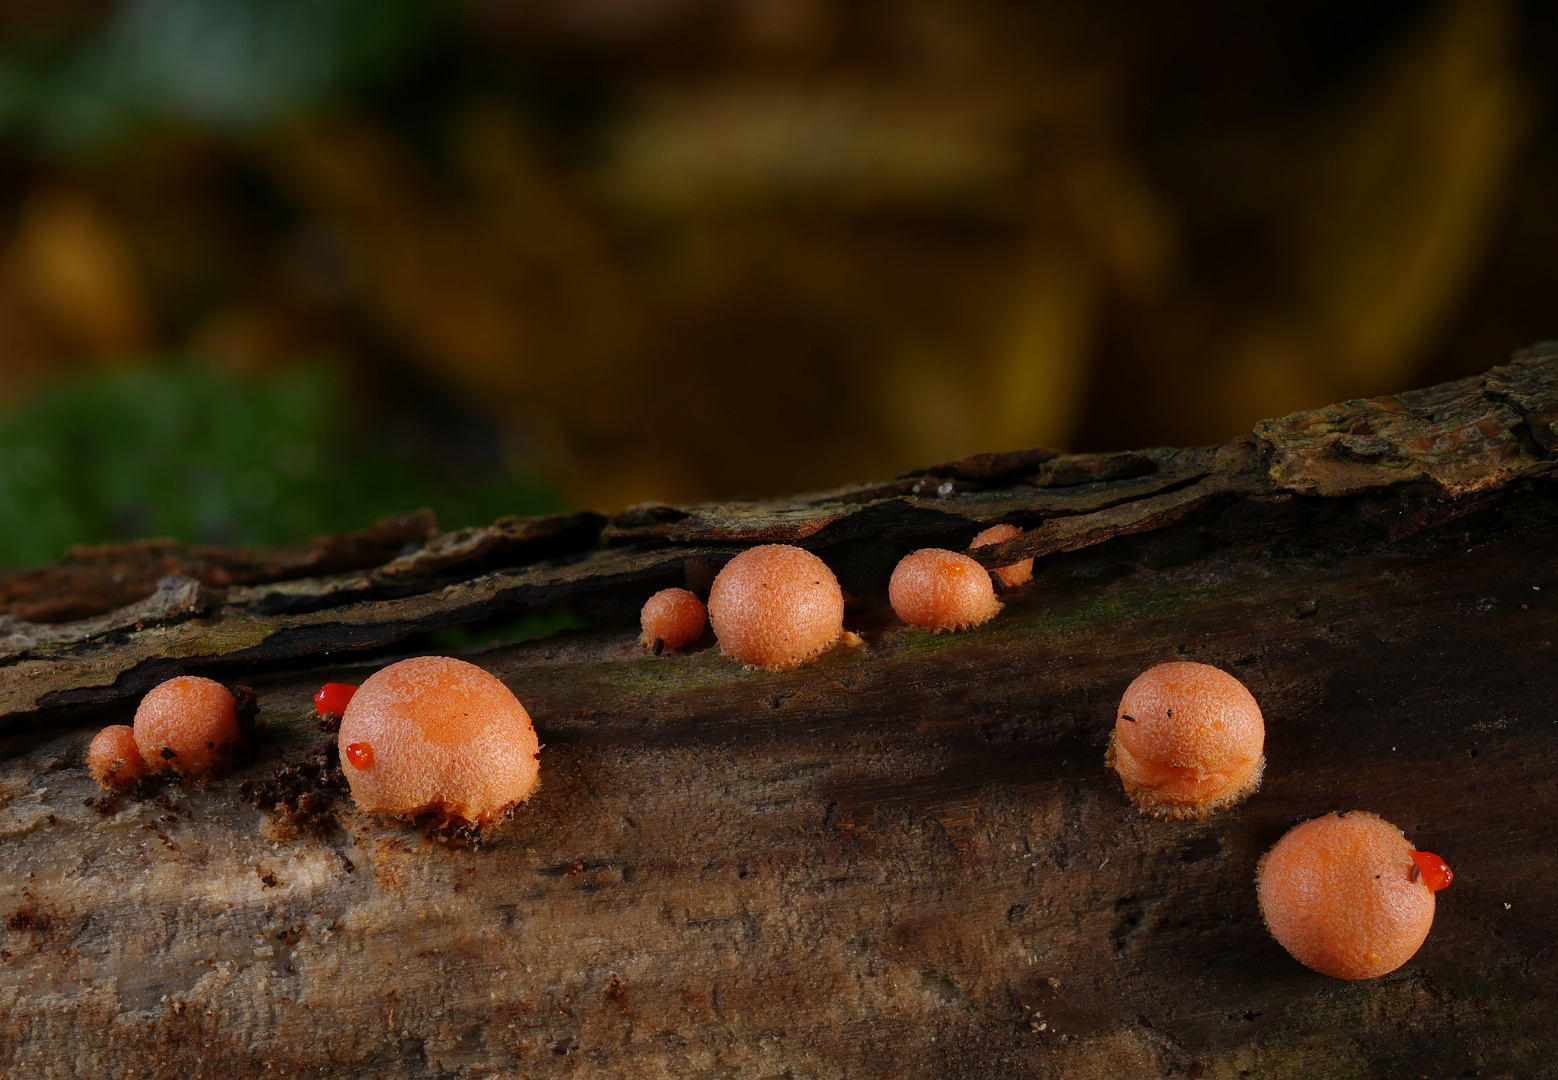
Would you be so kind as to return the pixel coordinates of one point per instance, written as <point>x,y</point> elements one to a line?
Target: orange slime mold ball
<point>1187,741</point>
<point>941,590</point>
<point>189,725</point>
<point>435,734</point>
<point>671,618</point>
<point>1345,894</point>
<point>113,758</point>
<point>1018,573</point>
<point>775,607</point>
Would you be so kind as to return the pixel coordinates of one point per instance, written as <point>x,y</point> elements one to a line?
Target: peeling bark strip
<point>1451,440</point>
<point>1397,464</point>
<point>906,860</point>
<point>87,578</point>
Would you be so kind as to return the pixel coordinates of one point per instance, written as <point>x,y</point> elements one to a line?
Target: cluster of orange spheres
<point>1346,894</point>
<point>187,726</point>
<point>772,607</point>
<point>777,606</point>
<point>428,735</point>
<point>435,735</point>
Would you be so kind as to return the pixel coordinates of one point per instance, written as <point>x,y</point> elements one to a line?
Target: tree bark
<point>906,859</point>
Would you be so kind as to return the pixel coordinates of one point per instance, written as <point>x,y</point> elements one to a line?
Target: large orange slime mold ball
<point>437,735</point>
<point>1018,573</point>
<point>776,607</point>
<point>941,590</point>
<point>113,758</point>
<point>1188,741</point>
<point>189,725</point>
<point>1348,896</point>
<point>670,619</point>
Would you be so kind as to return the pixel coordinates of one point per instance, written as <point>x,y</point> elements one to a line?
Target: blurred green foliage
<point>208,458</point>
<point>229,64</point>
<point>977,224</point>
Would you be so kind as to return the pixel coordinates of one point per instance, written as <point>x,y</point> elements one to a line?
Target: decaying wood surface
<point>906,860</point>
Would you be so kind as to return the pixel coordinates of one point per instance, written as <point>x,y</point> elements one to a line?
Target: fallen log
<point>904,860</point>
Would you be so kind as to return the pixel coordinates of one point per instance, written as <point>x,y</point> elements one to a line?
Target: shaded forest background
<point>275,267</point>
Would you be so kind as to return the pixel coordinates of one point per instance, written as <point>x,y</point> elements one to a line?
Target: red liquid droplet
<point>1436,875</point>
<point>332,697</point>
<point>360,754</point>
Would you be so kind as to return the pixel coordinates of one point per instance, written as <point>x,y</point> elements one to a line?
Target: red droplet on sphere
<point>332,697</point>
<point>1436,875</point>
<point>360,754</point>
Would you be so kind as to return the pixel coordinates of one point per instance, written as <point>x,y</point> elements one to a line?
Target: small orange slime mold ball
<point>940,590</point>
<point>189,725</point>
<point>1019,573</point>
<point>776,607</point>
<point>1187,742</point>
<point>671,618</point>
<point>1346,895</point>
<point>113,758</point>
<point>435,734</point>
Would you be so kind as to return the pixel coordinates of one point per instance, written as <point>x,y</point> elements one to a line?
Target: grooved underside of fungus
<point>904,859</point>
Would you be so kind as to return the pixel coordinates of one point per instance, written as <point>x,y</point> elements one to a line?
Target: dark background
<point>275,267</point>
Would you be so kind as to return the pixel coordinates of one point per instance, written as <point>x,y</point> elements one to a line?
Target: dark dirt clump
<point>30,919</point>
<point>247,704</point>
<point>303,790</point>
<point>147,787</point>
<point>457,832</point>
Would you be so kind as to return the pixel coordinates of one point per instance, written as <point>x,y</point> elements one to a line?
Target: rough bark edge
<point>1399,463</point>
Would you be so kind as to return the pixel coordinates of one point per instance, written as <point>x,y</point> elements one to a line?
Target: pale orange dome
<point>776,606</point>
<point>942,590</point>
<point>188,725</point>
<point>1018,573</point>
<point>1188,740</point>
<point>437,735</point>
<point>113,758</point>
<point>673,617</point>
<point>1340,894</point>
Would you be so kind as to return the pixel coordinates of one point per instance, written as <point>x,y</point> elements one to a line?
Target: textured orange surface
<point>674,617</point>
<point>195,718</point>
<point>443,736</point>
<point>1018,573</point>
<point>941,590</point>
<point>1187,737</point>
<point>1338,893</point>
<point>113,758</point>
<point>776,606</point>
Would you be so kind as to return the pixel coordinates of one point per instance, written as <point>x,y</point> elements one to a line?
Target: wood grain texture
<point>906,860</point>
